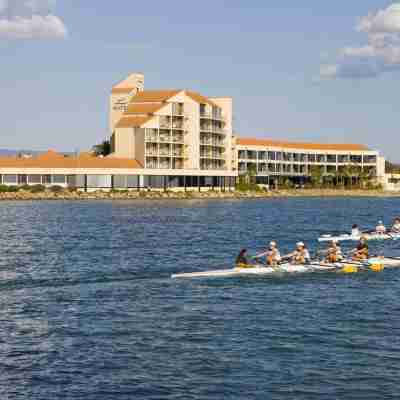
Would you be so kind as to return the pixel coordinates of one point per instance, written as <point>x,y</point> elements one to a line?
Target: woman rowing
<point>334,252</point>
<point>355,230</point>
<point>301,255</point>
<point>396,226</point>
<point>361,252</point>
<point>272,255</point>
<point>241,259</point>
<point>380,228</point>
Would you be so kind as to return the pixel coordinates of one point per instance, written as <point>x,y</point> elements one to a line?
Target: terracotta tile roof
<point>55,160</point>
<point>154,96</point>
<point>199,98</point>
<point>299,145</point>
<point>122,90</point>
<point>132,121</point>
<point>143,108</point>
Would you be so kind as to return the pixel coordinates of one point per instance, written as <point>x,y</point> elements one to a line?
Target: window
<point>356,159</point>
<point>321,158</point>
<point>10,179</point>
<point>98,181</point>
<point>46,179</point>
<point>331,158</point>
<point>35,179</point>
<point>272,155</point>
<point>312,158</point>
<point>22,179</point>
<point>59,179</point>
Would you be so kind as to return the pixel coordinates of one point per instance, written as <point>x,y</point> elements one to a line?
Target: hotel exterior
<point>180,139</point>
<point>275,161</point>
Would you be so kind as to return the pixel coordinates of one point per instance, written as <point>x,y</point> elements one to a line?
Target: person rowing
<point>272,255</point>
<point>241,259</point>
<point>301,255</point>
<point>380,228</point>
<point>396,226</point>
<point>334,253</point>
<point>361,252</point>
<point>355,230</point>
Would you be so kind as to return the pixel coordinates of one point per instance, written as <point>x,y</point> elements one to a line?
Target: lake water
<point>88,309</point>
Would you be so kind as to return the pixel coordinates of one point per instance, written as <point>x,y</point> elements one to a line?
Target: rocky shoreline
<point>23,195</point>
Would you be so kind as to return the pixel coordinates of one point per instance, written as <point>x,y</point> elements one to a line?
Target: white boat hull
<point>288,269</point>
<point>368,236</point>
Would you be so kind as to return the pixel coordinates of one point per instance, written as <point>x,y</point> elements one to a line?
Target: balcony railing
<point>210,115</point>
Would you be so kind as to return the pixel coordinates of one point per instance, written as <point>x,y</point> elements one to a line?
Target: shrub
<point>27,188</point>
<point>8,189</point>
<point>37,188</point>
<point>56,189</point>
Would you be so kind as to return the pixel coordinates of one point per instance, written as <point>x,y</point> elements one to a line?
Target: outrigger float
<point>375,264</point>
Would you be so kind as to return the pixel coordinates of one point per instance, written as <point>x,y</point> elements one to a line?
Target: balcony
<point>177,139</point>
<point>210,115</point>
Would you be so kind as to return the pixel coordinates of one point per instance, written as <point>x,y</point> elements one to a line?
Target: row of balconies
<point>212,155</point>
<point>164,163</point>
<point>311,158</point>
<point>294,168</point>
<point>174,151</point>
<point>212,165</point>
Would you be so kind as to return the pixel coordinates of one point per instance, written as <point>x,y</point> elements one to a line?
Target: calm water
<point>87,309</point>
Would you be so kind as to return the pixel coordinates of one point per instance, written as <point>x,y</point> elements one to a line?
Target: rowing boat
<point>377,263</point>
<point>368,236</point>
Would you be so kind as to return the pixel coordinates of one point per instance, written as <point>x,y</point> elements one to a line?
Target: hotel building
<point>180,139</point>
<point>273,161</point>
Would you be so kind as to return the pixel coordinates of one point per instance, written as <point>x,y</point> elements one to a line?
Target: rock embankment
<point>144,195</point>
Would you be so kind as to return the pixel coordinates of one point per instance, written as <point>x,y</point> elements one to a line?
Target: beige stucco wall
<point>139,149</point>
<point>124,143</point>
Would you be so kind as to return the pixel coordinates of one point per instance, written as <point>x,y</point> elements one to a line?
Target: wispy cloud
<point>30,19</point>
<point>380,54</point>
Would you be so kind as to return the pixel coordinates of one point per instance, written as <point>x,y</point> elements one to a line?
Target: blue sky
<point>296,70</point>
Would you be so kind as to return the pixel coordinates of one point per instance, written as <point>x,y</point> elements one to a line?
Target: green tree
<point>316,175</point>
<point>102,149</point>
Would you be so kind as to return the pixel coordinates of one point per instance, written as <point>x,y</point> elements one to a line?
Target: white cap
<point>298,244</point>
<point>272,243</point>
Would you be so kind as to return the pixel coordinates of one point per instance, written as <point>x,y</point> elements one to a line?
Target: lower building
<point>87,172</point>
<point>275,162</point>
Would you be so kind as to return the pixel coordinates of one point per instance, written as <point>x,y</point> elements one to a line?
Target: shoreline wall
<point>144,195</point>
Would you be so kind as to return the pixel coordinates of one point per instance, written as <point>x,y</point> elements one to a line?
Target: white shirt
<point>380,229</point>
<point>396,228</point>
<point>355,232</point>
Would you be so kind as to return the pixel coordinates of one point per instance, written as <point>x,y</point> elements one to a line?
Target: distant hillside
<point>12,152</point>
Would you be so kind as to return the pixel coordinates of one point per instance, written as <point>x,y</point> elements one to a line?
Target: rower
<point>301,255</point>
<point>361,252</point>
<point>272,255</point>
<point>334,252</point>
<point>380,228</point>
<point>396,226</point>
<point>355,230</point>
<point>241,259</point>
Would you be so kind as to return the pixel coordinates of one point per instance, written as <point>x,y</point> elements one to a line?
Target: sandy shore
<point>67,195</point>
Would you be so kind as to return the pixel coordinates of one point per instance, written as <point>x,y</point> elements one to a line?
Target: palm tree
<point>316,175</point>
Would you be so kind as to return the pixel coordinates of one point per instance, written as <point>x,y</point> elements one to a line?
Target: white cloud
<point>381,54</point>
<point>383,21</point>
<point>30,19</point>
